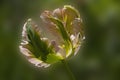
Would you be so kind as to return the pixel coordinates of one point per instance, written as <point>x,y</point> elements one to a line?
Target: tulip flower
<point>57,40</point>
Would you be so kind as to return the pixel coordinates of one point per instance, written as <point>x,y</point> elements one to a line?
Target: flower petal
<point>58,13</point>
<point>38,62</point>
<point>70,13</point>
<point>35,44</point>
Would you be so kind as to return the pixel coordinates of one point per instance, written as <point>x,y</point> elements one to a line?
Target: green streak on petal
<point>61,28</point>
<point>70,14</point>
<point>39,47</point>
<point>72,9</point>
<point>67,41</point>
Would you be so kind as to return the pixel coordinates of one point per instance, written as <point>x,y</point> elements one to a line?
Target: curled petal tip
<point>38,63</point>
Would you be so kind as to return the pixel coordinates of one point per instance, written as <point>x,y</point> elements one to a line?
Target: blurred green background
<point>98,59</point>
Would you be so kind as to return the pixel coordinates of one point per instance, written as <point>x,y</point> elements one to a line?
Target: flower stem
<point>68,70</point>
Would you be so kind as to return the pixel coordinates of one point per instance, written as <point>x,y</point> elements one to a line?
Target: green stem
<point>68,70</point>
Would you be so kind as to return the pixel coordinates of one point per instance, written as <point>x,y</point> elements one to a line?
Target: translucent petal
<point>77,27</point>
<point>35,61</point>
<point>58,13</point>
<point>70,13</point>
<point>50,30</point>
